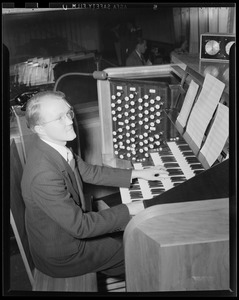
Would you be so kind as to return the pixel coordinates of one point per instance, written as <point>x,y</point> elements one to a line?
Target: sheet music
<point>217,136</point>
<point>188,103</point>
<point>204,108</point>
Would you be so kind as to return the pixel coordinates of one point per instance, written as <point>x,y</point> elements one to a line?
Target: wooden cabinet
<point>179,247</point>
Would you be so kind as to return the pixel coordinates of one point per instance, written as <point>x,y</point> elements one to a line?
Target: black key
<point>171,165</point>
<point>196,166</point>
<point>175,172</point>
<point>135,188</point>
<point>184,147</point>
<point>188,153</point>
<point>197,171</point>
<point>157,191</point>
<point>134,195</point>
<point>155,183</point>
<point>166,159</point>
<point>135,181</point>
<point>178,178</point>
<point>192,159</point>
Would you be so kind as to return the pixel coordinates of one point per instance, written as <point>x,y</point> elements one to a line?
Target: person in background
<point>65,237</point>
<point>136,57</point>
<point>183,48</point>
<point>125,33</point>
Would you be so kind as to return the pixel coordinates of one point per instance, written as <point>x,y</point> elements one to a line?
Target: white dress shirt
<point>63,150</point>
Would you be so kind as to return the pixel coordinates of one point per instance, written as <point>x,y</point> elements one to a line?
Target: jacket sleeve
<point>101,175</point>
<point>50,194</point>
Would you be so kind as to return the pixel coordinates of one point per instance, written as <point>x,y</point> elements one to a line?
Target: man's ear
<point>39,129</point>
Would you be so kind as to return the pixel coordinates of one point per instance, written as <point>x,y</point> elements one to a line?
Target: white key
<point>144,186</point>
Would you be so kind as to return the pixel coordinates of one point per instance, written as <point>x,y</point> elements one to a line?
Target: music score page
<point>204,108</point>
<point>188,103</point>
<point>217,136</point>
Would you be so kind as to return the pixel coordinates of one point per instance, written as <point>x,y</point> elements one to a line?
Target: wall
<point>157,25</point>
<point>53,33</point>
<point>191,22</point>
<point>49,34</point>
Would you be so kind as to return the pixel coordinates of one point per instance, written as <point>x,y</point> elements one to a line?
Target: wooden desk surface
<point>178,246</point>
<point>218,69</point>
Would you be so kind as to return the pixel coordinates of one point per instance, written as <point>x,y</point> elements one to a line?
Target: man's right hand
<point>135,207</point>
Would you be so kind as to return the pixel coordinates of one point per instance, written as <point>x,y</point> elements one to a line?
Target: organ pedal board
<point>110,284</point>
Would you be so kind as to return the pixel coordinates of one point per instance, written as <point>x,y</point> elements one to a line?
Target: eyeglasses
<point>70,115</point>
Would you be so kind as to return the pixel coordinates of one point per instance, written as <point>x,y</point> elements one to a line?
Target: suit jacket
<point>134,60</point>
<point>62,238</point>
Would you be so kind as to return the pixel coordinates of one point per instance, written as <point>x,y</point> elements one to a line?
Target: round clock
<point>228,46</point>
<point>216,46</point>
<point>212,47</point>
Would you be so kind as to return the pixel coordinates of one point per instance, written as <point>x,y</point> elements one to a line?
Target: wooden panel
<point>84,283</point>
<point>194,45</point>
<point>177,18</point>
<point>89,133</point>
<point>87,117</point>
<point>23,133</point>
<point>179,246</point>
<point>213,19</point>
<point>31,35</point>
<point>17,211</point>
<point>223,15</point>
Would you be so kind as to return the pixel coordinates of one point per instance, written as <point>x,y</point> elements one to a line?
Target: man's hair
<point>33,111</point>
<point>140,40</point>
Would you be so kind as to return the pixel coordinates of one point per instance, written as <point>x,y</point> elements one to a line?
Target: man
<point>66,240</point>
<point>136,58</point>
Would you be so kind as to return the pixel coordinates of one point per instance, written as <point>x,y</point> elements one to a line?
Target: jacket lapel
<point>72,185</point>
<point>62,165</point>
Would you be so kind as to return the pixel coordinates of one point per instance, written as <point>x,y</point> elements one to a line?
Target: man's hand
<point>151,173</point>
<point>148,63</point>
<point>135,207</point>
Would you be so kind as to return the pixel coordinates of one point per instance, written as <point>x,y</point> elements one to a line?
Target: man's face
<point>143,47</point>
<point>56,126</point>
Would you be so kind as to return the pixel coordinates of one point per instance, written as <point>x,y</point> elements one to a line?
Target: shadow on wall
<point>39,48</point>
<point>78,89</point>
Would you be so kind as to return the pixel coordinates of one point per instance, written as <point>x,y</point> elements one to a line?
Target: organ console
<point>138,110</point>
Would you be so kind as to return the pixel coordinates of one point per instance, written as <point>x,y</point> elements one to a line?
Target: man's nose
<point>69,120</point>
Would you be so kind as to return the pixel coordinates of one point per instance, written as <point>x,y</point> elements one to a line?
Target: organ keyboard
<point>180,162</point>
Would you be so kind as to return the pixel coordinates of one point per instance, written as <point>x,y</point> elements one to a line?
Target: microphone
<point>100,75</point>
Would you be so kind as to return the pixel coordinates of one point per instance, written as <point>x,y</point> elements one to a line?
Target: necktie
<point>141,58</point>
<point>70,159</point>
<point>71,162</point>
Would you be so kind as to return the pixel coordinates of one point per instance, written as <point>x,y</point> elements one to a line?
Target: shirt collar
<point>61,149</point>
<point>138,53</point>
